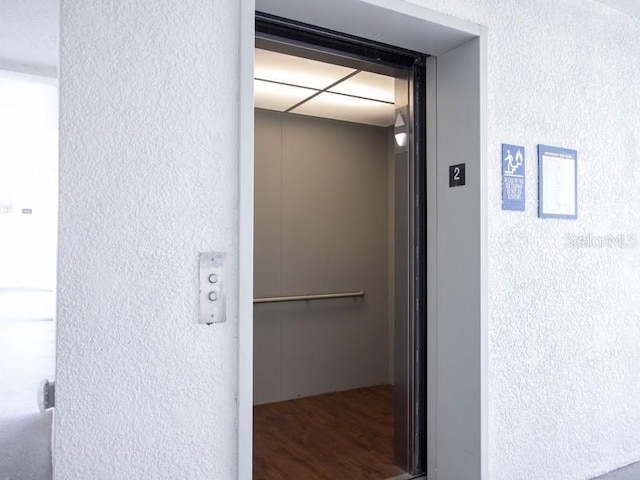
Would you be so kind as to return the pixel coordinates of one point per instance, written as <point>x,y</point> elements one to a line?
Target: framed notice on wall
<point>557,182</point>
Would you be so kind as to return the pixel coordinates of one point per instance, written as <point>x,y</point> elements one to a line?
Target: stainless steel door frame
<point>403,295</point>
<point>409,280</point>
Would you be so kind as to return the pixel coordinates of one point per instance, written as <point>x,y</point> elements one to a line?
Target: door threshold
<point>408,476</point>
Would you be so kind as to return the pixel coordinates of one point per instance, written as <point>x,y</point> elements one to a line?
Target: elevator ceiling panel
<point>275,96</point>
<point>287,69</point>
<point>368,85</point>
<point>348,109</point>
<point>287,83</point>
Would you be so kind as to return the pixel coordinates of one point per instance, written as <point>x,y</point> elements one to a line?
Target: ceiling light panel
<point>368,85</point>
<point>348,109</point>
<point>275,96</point>
<point>291,70</point>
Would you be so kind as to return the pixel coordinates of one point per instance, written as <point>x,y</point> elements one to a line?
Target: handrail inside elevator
<point>300,298</point>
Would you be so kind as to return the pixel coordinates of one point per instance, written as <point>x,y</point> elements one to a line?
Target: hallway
<point>26,358</point>
<point>25,446</point>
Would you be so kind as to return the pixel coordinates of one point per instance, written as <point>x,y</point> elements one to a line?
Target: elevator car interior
<point>336,333</point>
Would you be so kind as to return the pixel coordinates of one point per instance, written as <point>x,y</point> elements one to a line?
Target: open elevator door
<point>409,209</point>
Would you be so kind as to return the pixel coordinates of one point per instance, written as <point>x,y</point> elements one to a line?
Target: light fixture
<point>401,139</point>
<point>400,131</point>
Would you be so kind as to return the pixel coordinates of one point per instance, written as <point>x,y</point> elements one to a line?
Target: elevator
<point>339,266</point>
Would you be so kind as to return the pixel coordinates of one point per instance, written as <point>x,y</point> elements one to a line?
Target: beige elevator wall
<point>321,226</point>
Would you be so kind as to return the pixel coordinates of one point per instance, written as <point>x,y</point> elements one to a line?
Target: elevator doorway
<point>339,328</point>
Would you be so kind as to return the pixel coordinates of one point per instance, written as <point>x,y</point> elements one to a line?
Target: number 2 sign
<point>456,175</point>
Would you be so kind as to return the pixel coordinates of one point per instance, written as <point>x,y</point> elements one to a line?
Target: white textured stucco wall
<point>148,177</point>
<point>564,323</point>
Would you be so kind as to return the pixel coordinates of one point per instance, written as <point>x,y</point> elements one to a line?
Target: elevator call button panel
<point>212,296</point>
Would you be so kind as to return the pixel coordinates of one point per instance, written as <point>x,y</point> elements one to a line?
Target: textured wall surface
<point>148,178</point>
<point>564,327</point>
<point>148,162</point>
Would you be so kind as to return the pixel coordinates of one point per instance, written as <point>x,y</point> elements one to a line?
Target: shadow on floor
<point>631,472</point>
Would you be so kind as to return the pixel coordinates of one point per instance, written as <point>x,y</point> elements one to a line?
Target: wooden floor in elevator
<point>338,435</point>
